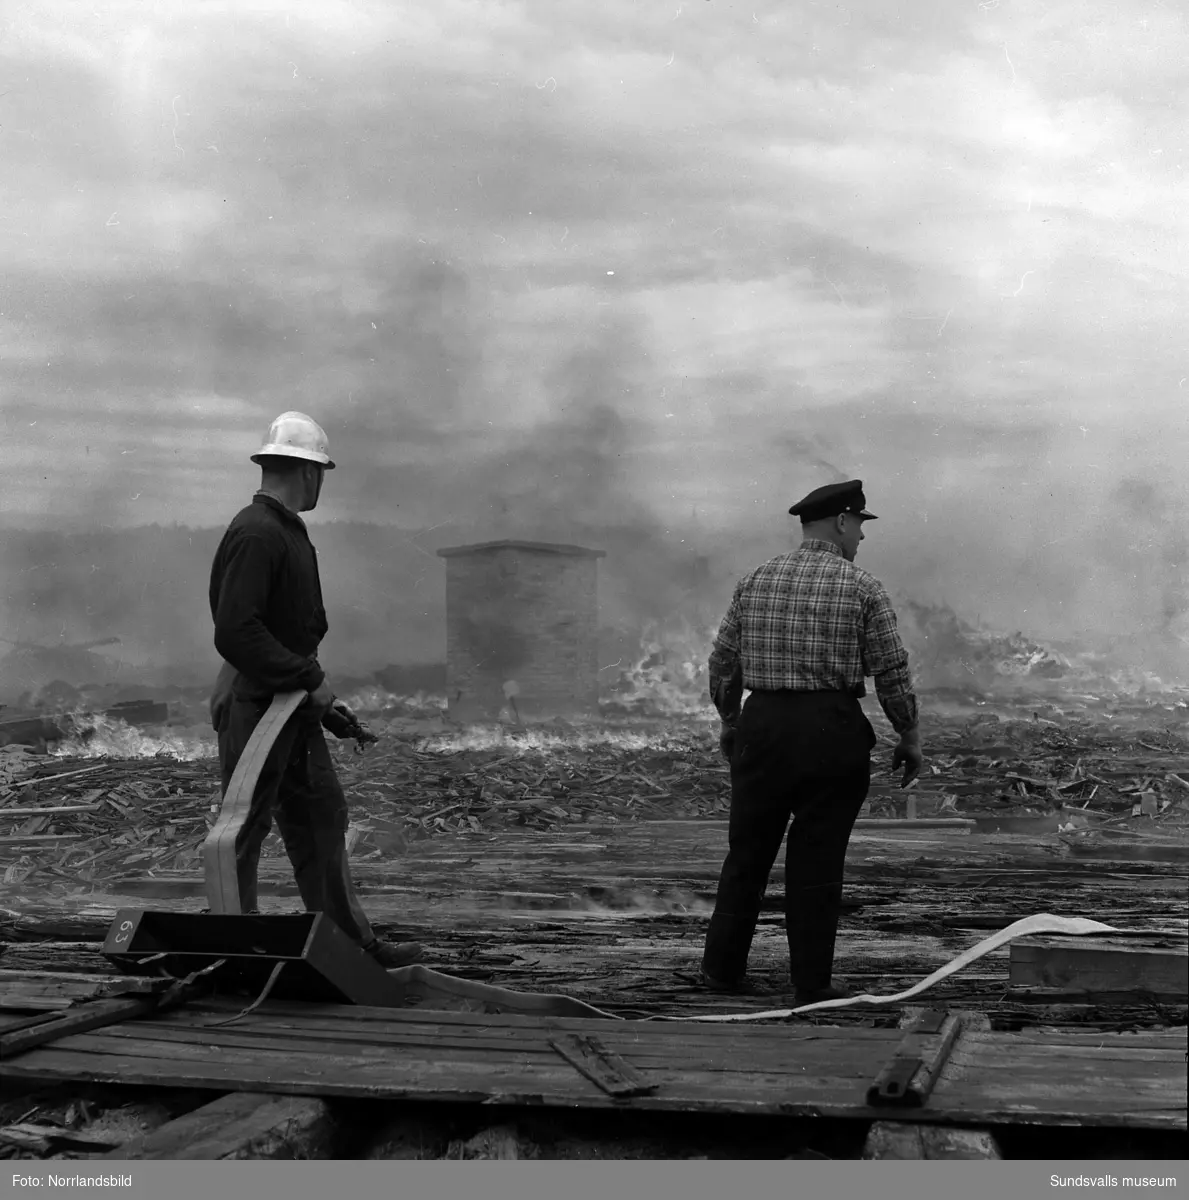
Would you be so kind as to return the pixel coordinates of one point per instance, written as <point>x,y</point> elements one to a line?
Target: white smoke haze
<point>631,278</point>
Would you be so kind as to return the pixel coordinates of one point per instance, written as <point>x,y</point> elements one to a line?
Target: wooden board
<point>1092,1079</point>
<point>610,1072</point>
<point>1100,965</point>
<point>616,915</point>
<point>1144,1079</point>
<point>54,1026</point>
<point>45,991</point>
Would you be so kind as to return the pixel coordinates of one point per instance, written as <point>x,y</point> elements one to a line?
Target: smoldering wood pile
<point>67,820</point>
<point>551,859</point>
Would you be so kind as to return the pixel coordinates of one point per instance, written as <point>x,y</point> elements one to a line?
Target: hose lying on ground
<point>1040,923</point>
<point>431,984</point>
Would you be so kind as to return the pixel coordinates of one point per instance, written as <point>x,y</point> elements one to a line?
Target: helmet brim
<point>275,451</point>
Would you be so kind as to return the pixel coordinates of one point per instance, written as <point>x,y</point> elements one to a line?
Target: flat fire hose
<point>1040,923</point>
<point>218,851</point>
<point>553,1005</point>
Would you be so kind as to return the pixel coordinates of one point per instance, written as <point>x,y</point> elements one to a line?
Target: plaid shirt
<point>811,621</point>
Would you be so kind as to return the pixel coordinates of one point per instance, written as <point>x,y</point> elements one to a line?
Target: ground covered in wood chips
<point>142,800</point>
<point>135,803</point>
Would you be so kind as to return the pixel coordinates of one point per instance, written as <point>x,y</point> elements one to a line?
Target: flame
<point>375,700</point>
<point>535,741</point>
<point>97,736</point>
<point>670,675</point>
<point>1132,681</point>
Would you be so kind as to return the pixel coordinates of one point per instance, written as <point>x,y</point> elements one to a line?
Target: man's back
<point>801,621</point>
<point>809,621</point>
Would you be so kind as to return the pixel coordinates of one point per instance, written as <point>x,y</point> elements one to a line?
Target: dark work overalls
<point>804,755</point>
<point>266,601</point>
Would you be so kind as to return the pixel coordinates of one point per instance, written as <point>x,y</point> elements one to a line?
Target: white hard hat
<point>294,435</point>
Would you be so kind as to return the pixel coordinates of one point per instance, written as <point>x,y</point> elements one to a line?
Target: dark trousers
<point>300,789</point>
<point>804,755</point>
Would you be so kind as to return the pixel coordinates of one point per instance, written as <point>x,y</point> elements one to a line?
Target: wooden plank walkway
<point>616,915</point>
<point>1044,1077</point>
<point>667,864</point>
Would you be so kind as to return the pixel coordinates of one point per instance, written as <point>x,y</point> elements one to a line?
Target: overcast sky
<point>596,259</point>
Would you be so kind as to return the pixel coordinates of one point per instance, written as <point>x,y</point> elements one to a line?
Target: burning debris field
<point>103,796</point>
<point>581,858</point>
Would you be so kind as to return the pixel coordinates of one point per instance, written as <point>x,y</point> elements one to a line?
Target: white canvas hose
<point>498,999</point>
<point>1040,923</point>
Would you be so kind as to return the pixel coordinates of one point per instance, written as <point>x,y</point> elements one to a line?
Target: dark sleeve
<point>240,633</point>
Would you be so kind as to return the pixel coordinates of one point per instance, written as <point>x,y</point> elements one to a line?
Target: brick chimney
<point>521,630</point>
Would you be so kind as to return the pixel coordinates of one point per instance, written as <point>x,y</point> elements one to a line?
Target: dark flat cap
<point>831,500</point>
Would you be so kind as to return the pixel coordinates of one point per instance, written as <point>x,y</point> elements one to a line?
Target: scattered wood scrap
<point>76,826</point>
<point>67,824</point>
<point>587,1054</point>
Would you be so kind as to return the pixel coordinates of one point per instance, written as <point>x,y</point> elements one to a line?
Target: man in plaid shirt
<point>801,634</point>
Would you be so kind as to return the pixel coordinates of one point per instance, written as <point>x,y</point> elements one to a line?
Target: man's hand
<point>726,741</point>
<point>355,727</point>
<point>727,693</point>
<point>908,754</point>
<point>321,698</point>
<point>343,723</point>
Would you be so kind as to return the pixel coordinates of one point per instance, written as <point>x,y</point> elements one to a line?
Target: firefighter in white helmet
<point>266,601</point>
